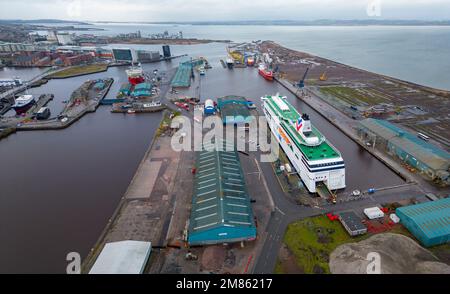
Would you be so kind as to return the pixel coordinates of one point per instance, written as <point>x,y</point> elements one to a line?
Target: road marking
<point>276,207</point>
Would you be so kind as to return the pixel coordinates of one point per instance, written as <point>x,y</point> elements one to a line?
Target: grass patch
<point>312,240</point>
<point>166,122</point>
<point>353,96</point>
<point>78,70</point>
<point>279,268</point>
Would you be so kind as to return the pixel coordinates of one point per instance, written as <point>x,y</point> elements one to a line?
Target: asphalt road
<point>286,212</point>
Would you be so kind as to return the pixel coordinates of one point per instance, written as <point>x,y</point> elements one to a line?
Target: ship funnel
<point>306,124</point>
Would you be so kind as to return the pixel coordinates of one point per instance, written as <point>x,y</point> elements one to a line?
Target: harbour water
<point>414,53</point>
<point>59,188</point>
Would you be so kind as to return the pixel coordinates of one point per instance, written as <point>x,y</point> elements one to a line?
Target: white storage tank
<point>209,107</point>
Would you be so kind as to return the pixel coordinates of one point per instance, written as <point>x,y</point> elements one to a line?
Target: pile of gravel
<point>399,255</point>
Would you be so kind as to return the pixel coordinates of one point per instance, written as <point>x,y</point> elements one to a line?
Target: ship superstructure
<point>314,158</point>
<point>135,74</point>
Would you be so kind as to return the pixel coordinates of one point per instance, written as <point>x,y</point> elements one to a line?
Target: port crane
<point>301,83</point>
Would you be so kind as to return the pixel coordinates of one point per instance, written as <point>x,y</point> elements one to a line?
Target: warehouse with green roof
<point>427,158</point>
<point>142,90</point>
<point>234,110</point>
<point>221,209</point>
<point>429,222</point>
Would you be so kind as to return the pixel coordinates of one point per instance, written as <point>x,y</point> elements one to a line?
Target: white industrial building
<point>64,39</point>
<point>123,257</point>
<point>373,212</point>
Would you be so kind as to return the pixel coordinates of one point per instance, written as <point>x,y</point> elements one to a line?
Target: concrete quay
<point>75,109</point>
<point>145,210</point>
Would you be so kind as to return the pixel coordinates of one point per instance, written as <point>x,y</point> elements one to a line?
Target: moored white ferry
<point>314,158</point>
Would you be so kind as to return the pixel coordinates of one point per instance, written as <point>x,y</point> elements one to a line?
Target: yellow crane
<point>323,77</point>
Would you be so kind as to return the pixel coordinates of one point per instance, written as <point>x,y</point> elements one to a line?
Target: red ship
<point>265,73</point>
<point>135,75</point>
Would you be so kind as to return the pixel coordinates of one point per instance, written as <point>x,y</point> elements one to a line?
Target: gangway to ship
<point>323,191</point>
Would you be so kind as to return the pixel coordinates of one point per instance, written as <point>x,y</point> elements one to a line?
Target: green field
<point>354,96</point>
<point>78,70</point>
<point>312,240</point>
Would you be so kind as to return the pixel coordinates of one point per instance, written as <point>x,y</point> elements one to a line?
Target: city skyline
<point>232,10</point>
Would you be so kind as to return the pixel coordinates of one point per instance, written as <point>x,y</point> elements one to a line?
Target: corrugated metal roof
<point>352,221</point>
<point>425,152</point>
<point>233,109</point>
<point>432,218</point>
<point>220,197</point>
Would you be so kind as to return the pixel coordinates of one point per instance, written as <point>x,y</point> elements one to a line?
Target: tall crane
<point>301,83</point>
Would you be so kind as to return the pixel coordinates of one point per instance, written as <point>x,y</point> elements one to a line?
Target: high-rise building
<point>166,51</point>
<point>127,55</point>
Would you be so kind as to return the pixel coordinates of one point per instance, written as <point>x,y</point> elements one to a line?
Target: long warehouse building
<point>429,222</point>
<point>221,208</point>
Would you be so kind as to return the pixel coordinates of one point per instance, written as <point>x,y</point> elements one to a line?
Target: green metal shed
<point>429,222</point>
<point>221,208</point>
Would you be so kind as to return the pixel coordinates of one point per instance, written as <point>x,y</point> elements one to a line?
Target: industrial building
<point>123,257</point>
<point>417,153</point>
<point>64,39</point>
<point>124,55</point>
<point>234,110</point>
<point>15,47</point>
<point>142,90</point>
<point>429,222</point>
<point>125,89</point>
<point>166,51</point>
<point>182,78</point>
<point>148,56</point>
<point>373,212</point>
<point>221,208</point>
<point>352,223</point>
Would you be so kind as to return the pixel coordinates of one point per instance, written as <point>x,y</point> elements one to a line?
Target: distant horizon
<point>156,11</point>
<point>322,22</point>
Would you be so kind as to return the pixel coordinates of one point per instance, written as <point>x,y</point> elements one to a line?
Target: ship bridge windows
<point>326,164</point>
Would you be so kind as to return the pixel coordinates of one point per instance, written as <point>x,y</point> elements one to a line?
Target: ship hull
<point>265,74</point>
<point>136,80</point>
<point>23,109</point>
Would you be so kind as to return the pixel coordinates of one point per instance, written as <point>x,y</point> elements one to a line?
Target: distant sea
<point>419,54</point>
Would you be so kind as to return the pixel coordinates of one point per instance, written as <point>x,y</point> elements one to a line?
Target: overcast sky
<point>201,10</point>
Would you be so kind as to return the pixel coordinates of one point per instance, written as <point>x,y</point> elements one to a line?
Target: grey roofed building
<point>123,257</point>
<point>221,208</point>
<point>352,223</point>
